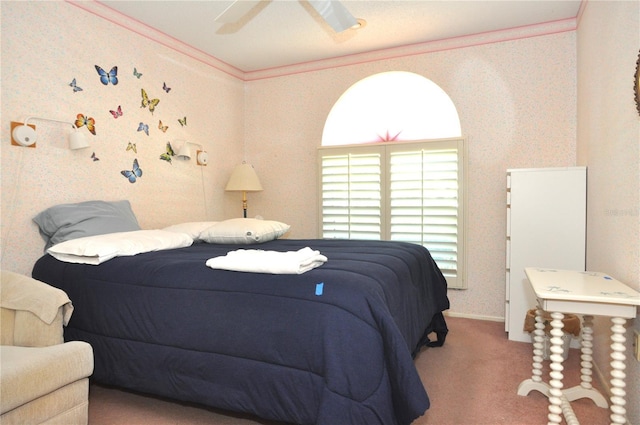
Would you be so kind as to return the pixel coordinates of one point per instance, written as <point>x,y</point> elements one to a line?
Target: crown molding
<point>142,29</point>
<point>168,41</point>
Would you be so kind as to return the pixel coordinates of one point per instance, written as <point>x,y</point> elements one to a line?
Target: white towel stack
<point>274,262</point>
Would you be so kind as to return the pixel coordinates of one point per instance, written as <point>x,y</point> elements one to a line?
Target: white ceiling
<point>278,33</point>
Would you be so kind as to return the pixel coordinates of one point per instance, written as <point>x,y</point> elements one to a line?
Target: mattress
<point>333,345</point>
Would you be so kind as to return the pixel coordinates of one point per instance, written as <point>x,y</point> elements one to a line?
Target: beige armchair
<point>43,380</point>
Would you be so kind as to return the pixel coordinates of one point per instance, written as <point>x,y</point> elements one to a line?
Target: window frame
<point>385,148</point>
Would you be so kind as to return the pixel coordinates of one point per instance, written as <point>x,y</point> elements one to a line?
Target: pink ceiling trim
<point>117,18</point>
<point>583,5</point>
<point>142,29</point>
<point>549,28</point>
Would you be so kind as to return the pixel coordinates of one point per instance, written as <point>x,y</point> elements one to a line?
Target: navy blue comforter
<point>273,345</point>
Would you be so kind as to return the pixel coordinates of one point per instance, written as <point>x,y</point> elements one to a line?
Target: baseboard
<point>474,316</point>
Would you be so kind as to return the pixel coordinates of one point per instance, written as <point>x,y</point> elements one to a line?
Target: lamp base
<point>202,158</point>
<point>244,203</point>
<point>14,142</point>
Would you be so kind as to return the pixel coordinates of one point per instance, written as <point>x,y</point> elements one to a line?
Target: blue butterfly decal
<point>110,77</point>
<point>133,174</point>
<point>74,86</point>
<point>143,127</point>
<point>165,88</point>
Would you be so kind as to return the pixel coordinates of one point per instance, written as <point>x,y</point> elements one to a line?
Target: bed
<point>333,345</point>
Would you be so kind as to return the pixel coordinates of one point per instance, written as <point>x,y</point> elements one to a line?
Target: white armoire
<point>546,227</point>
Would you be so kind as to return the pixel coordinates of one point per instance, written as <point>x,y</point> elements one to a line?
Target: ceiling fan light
<point>360,23</point>
<point>334,13</point>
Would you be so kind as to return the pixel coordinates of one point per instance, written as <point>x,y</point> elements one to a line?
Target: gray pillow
<point>71,221</point>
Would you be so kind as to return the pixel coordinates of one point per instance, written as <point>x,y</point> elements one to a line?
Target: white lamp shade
<point>77,140</point>
<point>184,152</point>
<point>244,178</point>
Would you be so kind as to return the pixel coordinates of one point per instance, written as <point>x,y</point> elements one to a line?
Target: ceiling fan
<point>332,11</point>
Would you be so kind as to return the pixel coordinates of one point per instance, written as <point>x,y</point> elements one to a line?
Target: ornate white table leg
<point>586,350</point>
<point>585,389</point>
<point>535,383</point>
<point>569,416</point>
<point>582,292</point>
<point>618,376</point>
<point>555,392</point>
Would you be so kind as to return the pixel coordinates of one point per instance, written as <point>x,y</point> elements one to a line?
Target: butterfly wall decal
<point>94,157</point>
<point>117,113</point>
<point>89,122</point>
<point>136,73</point>
<point>182,121</point>
<point>166,156</point>
<point>108,77</point>
<point>75,87</point>
<point>134,173</point>
<point>132,147</point>
<point>164,128</point>
<point>165,88</point>
<point>151,103</point>
<point>143,127</point>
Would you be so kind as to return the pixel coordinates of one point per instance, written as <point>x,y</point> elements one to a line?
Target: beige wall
<point>520,102</point>
<point>609,145</point>
<point>517,107</point>
<point>37,67</point>
<point>516,100</point>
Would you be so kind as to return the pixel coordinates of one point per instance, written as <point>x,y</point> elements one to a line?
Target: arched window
<point>391,167</point>
<point>391,106</point>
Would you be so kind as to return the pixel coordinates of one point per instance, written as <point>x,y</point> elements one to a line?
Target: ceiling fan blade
<point>334,13</point>
<point>235,11</point>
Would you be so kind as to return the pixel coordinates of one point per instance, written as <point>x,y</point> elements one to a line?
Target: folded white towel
<point>274,262</point>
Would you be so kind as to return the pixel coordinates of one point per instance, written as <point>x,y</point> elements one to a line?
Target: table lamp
<point>244,179</point>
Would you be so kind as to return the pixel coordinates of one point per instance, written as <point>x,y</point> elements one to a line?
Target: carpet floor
<point>471,380</point>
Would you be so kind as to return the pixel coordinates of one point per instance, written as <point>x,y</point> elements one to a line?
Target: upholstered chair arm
<point>32,313</point>
<point>25,329</point>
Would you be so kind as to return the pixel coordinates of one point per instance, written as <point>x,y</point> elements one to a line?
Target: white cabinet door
<point>546,228</point>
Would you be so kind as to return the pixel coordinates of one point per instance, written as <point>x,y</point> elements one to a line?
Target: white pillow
<point>100,248</point>
<point>193,229</point>
<point>244,231</point>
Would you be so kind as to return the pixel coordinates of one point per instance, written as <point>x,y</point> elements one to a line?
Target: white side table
<point>587,294</point>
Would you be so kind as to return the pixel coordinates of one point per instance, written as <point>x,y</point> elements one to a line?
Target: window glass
<point>391,168</point>
<point>391,106</point>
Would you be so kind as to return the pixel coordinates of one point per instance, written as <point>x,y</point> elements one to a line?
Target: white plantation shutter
<point>351,194</point>
<point>402,191</point>
<point>424,202</point>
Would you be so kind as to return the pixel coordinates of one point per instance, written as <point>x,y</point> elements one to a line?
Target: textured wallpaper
<point>517,106</point>
<point>516,101</point>
<point>132,98</point>
<point>609,144</point>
